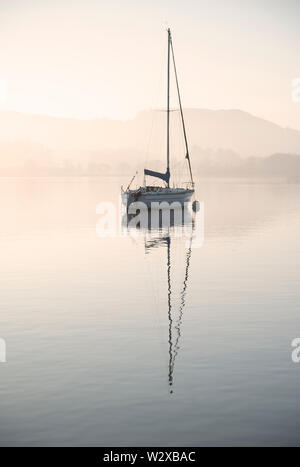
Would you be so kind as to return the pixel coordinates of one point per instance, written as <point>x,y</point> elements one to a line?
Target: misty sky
<point>107,58</point>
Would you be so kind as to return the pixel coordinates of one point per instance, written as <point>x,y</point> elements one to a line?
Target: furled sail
<point>165,177</point>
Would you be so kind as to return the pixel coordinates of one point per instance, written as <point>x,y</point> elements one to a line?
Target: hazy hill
<point>110,144</point>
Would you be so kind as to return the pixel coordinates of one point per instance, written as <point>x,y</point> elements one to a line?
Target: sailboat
<point>147,193</point>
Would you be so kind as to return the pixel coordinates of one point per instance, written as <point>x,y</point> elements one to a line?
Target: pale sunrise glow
<point>105,58</point>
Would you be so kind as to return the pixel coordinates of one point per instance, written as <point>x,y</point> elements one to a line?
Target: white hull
<point>175,195</point>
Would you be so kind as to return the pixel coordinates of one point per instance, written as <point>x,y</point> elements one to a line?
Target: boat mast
<point>181,113</point>
<point>168,108</point>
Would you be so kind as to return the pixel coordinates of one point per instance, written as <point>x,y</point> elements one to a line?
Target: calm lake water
<point>93,345</point>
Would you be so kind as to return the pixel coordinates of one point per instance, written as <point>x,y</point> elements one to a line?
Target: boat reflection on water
<point>177,219</point>
<point>161,236</point>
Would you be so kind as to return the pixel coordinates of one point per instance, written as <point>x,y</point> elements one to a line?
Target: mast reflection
<point>161,237</point>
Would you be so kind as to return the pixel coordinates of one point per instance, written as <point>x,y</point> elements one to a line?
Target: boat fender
<point>196,206</point>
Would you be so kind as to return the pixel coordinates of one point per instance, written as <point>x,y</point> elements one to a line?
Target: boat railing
<point>189,185</point>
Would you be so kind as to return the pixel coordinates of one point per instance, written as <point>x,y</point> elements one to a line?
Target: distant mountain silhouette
<point>111,145</point>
